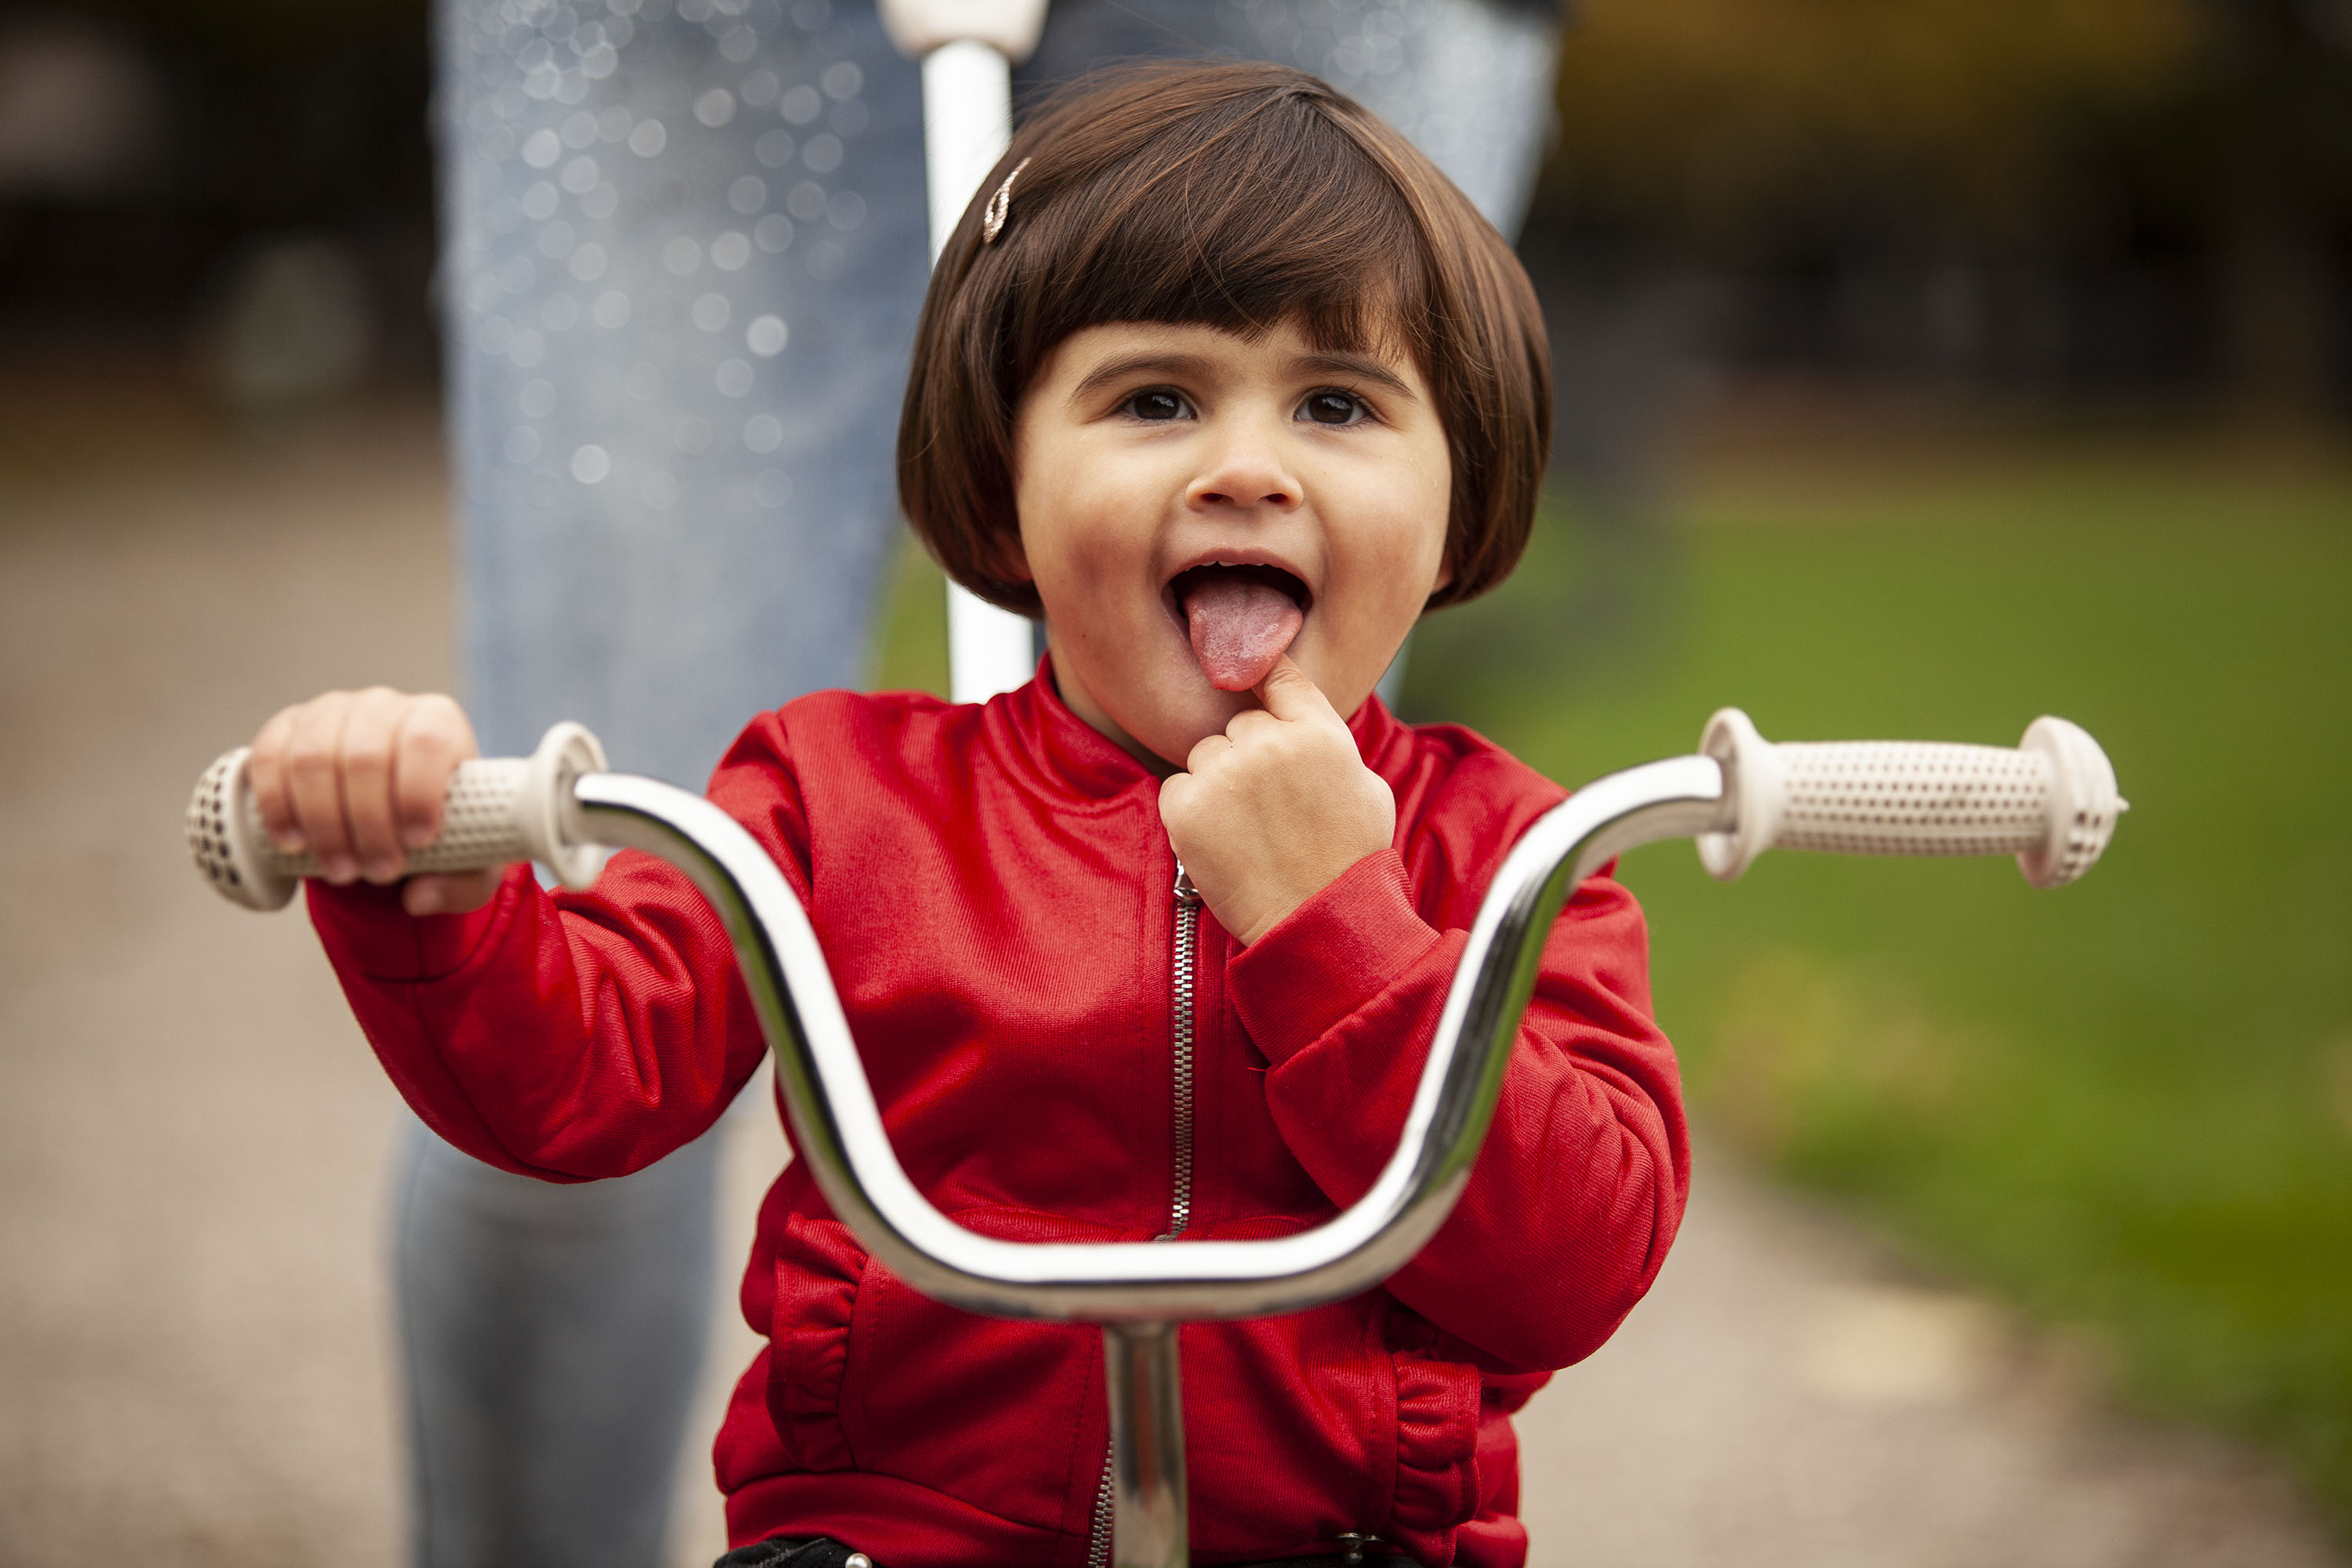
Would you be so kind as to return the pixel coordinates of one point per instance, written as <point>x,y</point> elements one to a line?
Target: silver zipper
<point>1180,1199</point>
<point>1188,939</point>
<point>1098,1539</point>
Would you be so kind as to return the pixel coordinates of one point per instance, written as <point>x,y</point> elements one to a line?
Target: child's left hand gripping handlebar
<point>499,810</point>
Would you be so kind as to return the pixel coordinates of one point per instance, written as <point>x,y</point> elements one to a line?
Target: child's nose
<point>1246,471</point>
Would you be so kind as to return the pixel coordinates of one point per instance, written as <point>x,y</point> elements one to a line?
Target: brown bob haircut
<point>1232,196</point>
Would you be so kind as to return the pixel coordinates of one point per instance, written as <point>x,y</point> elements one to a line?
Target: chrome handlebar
<point>839,1129</point>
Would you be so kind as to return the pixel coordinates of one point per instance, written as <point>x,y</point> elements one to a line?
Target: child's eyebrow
<point>1182,366</point>
<point>1363,365</point>
<point>1192,367</point>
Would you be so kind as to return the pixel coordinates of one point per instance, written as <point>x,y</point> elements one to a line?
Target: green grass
<point>910,645</point>
<point>2126,1105</point>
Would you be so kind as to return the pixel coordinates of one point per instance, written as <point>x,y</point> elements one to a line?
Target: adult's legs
<point>552,1335</point>
<point>684,255</point>
<point>1468,81</point>
<point>683,266</point>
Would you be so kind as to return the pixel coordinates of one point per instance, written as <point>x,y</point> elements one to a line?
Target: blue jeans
<point>552,1337</point>
<point>684,250</point>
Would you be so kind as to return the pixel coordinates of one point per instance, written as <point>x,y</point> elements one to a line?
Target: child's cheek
<point>1108,561</point>
<point>1070,583</point>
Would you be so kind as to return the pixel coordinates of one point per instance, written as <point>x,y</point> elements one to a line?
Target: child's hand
<point>1271,812</point>
<point>357,778</point>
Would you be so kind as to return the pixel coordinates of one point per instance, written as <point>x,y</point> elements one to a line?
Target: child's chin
<point>1201,713</point>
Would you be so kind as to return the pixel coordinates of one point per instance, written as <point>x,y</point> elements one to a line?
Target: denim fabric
<point>1469,81</point>
<point>684,250</point>
<point>684,262</point>
<point>550,1338</point>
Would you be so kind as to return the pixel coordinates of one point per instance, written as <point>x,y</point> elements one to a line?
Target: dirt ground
<point>194,1330</point>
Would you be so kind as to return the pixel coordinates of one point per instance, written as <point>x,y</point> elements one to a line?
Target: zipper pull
<point>1185,892</point>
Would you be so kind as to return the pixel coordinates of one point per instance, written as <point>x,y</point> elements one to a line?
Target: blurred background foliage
<point>1723,119</point>
<point>2138,198</point>
<point>1924,366</point>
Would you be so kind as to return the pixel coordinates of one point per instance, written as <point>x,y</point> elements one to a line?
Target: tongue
<point>1240,627</point>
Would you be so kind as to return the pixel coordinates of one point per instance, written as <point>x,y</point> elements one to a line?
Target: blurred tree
<point>1723,119</point>
<point>274,27</point>
<point>1745,129</point>
<point>267,123</point>
<point>2268,119</point>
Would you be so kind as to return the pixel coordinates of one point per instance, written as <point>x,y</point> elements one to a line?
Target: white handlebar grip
<point>2052,802</point>
<point>499,810</point>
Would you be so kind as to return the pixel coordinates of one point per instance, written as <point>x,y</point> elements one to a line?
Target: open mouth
<point>1182,585</point>
<point>1241,618</point>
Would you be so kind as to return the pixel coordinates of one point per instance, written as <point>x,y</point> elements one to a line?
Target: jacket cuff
<point>1328,957</point>
<point>367,933</point>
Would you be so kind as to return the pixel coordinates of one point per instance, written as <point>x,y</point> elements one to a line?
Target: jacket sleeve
<point>1578,1187</point>
<point>569,1036</point>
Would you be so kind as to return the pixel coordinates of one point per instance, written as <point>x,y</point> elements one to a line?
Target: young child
<point>1225,380</point>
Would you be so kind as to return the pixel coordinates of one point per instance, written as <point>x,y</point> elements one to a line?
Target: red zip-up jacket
<point>994,893</point>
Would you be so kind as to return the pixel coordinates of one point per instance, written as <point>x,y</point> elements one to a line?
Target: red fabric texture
<point>992,888</point>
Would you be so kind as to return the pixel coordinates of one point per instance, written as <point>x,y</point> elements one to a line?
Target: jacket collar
<point>1066,756</point>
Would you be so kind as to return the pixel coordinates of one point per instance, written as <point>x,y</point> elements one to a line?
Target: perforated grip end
<point>2051,802</point>
<point>497,810</point>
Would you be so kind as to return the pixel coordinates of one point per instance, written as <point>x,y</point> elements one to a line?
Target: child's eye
<point>1332,407</point>
<point>1157,403</point>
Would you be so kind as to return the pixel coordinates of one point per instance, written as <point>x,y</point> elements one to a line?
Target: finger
<point>370,726</point>
<point>1290,696</point>
<point>1206,752</point>
<point>1251,721</point>
<point>434,737</point>
<point>451,893</point>
<point>313,769</point>
<point>264,774</point>
<point>1176,791</point>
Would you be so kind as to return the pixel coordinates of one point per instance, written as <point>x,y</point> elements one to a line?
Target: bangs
<point>1313,233</point>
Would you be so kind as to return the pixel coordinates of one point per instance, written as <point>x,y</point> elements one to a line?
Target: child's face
<point>1145,454</point>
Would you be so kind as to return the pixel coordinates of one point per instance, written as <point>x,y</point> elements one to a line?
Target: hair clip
<point>999,206</point>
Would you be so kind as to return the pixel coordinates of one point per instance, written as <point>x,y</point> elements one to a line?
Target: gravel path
<point>192,1141</point>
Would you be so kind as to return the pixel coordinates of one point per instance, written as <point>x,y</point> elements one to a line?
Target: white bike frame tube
<point>967,125</point>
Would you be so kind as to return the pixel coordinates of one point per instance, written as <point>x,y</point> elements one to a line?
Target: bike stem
<point>1149,1527</point>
